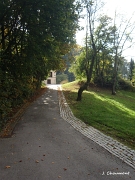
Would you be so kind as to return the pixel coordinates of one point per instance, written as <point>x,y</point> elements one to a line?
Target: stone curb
<point>113,146</point>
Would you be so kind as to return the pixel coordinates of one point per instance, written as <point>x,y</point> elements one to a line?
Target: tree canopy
<point>34,36</point>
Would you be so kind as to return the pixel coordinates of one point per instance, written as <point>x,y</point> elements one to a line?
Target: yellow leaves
<point>7,167</point>
<point>36,161</point>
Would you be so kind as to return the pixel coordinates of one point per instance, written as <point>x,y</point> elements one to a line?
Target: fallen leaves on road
<point>36,161</point>
<point>7,167</point>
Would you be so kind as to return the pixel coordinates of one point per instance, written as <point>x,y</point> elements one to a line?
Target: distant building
<point>51,78</point>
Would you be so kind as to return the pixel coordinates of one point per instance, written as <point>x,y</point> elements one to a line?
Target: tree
<point>78,66</point>
<point>132,67</point>
<point>91,8</point>
<point>34,37</point>
<point>120,37</point>
<point>103,36</point>
<point>106,42</point>
<point>124,68</point>
<point>61,78</point>
<point>69,58</point>
<point>102,69</point>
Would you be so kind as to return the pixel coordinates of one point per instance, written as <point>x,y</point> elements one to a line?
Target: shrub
<point>125,85</point>
<point>61,78</point>
<point>105,82</point>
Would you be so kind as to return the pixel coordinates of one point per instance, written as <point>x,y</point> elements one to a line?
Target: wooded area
<point>34,37</point>
<point>101,59</point>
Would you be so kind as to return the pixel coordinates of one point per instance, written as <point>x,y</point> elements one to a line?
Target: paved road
<point>45,147</point>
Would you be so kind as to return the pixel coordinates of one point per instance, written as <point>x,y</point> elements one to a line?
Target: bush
<point>105,82</point>
<point>61,78</point>
<point>125,85</point>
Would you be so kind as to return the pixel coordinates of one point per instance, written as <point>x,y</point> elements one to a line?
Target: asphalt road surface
<point>45,147</point>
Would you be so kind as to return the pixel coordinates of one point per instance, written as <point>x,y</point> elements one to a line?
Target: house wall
<point>51,78</point>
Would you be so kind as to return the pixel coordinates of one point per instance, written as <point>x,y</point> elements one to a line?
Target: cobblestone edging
<point>116,148</point>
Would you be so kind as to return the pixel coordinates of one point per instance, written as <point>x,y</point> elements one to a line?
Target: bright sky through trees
<point>125,7</point>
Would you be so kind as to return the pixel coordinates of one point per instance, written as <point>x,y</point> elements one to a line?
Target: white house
<point>51,78</point>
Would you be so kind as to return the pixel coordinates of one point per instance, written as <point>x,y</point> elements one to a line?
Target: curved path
<point>45,147</point>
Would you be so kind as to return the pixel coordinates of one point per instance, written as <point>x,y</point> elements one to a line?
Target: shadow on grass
<point>114,115</point>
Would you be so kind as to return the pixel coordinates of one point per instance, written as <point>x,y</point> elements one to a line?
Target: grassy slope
<point>114,115</point>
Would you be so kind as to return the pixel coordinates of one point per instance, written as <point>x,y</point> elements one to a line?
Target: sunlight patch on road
<point>53,86</point>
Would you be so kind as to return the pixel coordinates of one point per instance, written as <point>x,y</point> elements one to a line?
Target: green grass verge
<point>113,115</point>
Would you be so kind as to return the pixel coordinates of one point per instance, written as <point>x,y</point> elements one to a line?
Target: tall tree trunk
<point>89,70</point>
<point>89,76</point>
<point>80,91</point>
<point>114,83</point>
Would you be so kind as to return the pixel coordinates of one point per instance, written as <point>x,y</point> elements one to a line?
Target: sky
<point>125,7</point>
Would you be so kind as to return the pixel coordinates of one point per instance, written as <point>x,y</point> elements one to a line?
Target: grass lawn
<point>113,115</point>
